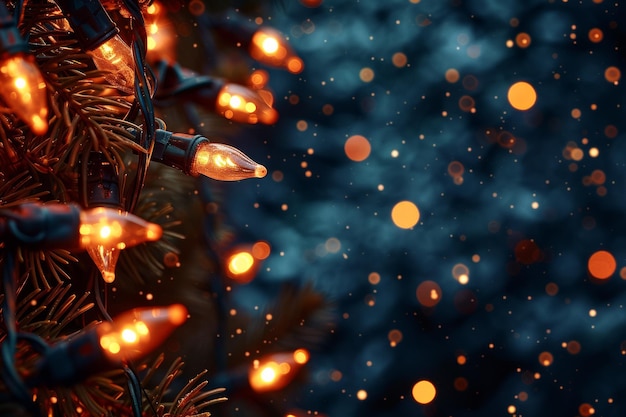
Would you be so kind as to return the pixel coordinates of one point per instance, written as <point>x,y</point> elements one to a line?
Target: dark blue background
<point>505,318</point>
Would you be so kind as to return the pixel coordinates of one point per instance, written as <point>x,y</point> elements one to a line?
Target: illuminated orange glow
<point>399,59</point>
<point>357,148</point>
<point>139,331</point>
<point>366,74</point>
<point>114,57</point>
<point>452,75</point>
<point>522,96</point>
<point>461,359</point>
<point>24,91</point>
<point>261,250</point>
<point>275,371</point>
<point>239,265</point>
<point>224,163</point>
<point>424,392</point>
<point>244,105</point>
<point>373,278</point>
<point>595,35</point>
<point>552,289</point>
<point>428,293</point>
<point>598,177</point>
<point>612,74</point>
<point>546,358</point>
<point>456,169</point>
<point>460,272</point>
<point>361,394</point>
<point>601,264</point>
<point>395,337</point>
<point>259,78</point>
<point>104,232</point>
<point>295,65</point>
<point>405,214</point>
<point>301,356</point>
<point>506,139</point>
<point>586,409</point>
<point>522,40</point>
<point>269,47</point>
<point>573,347</point>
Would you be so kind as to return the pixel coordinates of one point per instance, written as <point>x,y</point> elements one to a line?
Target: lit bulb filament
<point>139,331</point>
<point>129,336</point>
<point>270,45</point>
<point>222,161</point>
<point>102,233</point>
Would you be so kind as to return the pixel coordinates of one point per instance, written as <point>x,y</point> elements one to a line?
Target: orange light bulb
<point>269,47</point>
<point>224,163</point>
<point>104,232</point>
<point>115,58</point>
<point>23,89</point>
<point>244,105</point>
<point>135,333</point>
<point>276,371</point>
<point>241,265</point>
<point>160,42</point>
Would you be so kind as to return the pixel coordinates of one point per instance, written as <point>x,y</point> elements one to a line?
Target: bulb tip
<point>38,125</point>
<point>177,314</point>
<point>153,232</point>
<point>260,171</point>
<point>295,65</point>
<point>108,276</point>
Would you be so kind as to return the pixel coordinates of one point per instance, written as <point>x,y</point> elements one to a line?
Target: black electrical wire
<point>8,347</point>
<point>143,96</point>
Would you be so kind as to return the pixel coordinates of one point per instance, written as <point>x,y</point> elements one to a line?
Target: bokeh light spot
<point>452,75</point>
<point>361,394</point>
<point>522,40</point>
<point>357,148</point>
<point>428,293</point>
<point>596,35</point>
<point>424,392</point>
<point>601,264</point>
<point>399,59</point>
<point>546,358</point>
<point>612,74</point>
<point>261,250</point>
<point>395,337</point>
<point>366,74</point>
<point>373,278</point>
<point>586,409</point>
<point>405,214</point>
<point>522,95</point>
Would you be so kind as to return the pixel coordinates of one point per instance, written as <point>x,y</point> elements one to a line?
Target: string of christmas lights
<point>79,83</point>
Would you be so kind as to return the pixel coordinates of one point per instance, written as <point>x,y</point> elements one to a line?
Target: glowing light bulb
<point>225,163</point>
<point>161,37</point>
<point>244,105</point>
<point>104,232</point>
<point>115,58</point>
<point>269,47</point>
<point>241,265</point>
<point>139,331</point>
<point>276,371</point>
<point>23,89</point>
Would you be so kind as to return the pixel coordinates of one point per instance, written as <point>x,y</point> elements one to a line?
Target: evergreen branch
<point>301,318</point>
